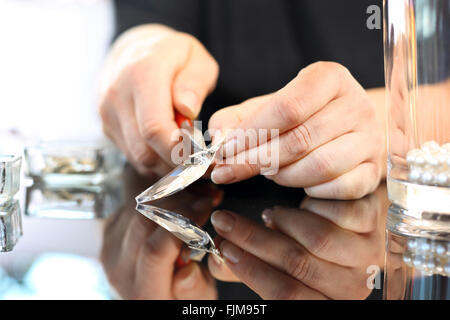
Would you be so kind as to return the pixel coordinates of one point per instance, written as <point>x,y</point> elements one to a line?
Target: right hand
<point>150,71</point>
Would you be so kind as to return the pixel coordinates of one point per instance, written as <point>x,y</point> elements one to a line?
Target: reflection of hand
<point>321,250</point>
<point>330,135</point>
<point>139,257</point>
<point>151,70</point>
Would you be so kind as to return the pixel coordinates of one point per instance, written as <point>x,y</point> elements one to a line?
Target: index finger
<point>312,89</point>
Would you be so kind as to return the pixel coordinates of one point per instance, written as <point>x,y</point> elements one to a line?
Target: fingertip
<point>187,102</point>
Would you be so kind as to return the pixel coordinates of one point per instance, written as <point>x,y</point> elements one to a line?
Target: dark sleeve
<point>182,15</point>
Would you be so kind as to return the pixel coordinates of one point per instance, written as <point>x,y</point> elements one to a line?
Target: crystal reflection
<point>134,247</point>
<point>81,202</point>
<point>10,225</point>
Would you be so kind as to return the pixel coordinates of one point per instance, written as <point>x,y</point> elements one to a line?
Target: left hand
<point>331,135</point>
<point>319,251</point>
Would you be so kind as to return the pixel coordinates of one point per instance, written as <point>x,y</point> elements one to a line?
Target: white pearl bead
<point>442,179</point>
<point>431,160</point>
<point>447,267</point>
<point>420,161</point>
<point>426,177</point>
<point>418,261</point>
<point>412,244</point>
<point>425,246</point>
<point>441,159</point>
<point>446,147</point>
<point>412,154</point>
<point>414,175</point>
<point>430,146</point>
<point>440,249</point>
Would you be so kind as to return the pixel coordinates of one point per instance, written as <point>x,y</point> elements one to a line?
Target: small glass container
<point>73,163</point>
<point>9,177</point>
<point>417,69</point>
<point>10,225</point>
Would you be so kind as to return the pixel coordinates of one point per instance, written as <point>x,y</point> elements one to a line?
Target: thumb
<point>191,282</point>
<point>194,82</point>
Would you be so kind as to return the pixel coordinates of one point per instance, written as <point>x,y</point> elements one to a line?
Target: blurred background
<point>50,60</point>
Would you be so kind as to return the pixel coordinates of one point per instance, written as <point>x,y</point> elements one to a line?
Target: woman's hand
<point>152,70</point>
<point>321,250</point>
<point>331,136</point>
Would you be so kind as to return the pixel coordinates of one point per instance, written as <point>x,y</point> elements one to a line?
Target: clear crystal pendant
<point>183,228</point>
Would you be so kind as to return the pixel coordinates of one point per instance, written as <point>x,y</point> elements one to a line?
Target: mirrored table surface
<point>91,243</point>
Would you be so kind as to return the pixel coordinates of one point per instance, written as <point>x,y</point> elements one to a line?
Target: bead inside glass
<point>73,163</point>
<point>417,70</point>
<point>9,177</point>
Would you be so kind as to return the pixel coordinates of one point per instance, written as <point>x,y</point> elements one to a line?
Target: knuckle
<point>319,243</point>
<point>248,268</point>
<point>249,236</point>
<point>323,165</point>
<point>150,130</point>
<point>288,108</point>
<point>246,169</point>
<point>332,67</point>
<point>298,264</point>
<point>153,253</point>
<point>298,141</point>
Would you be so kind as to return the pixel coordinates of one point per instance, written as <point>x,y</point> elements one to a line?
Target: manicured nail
<point>189,99</point>
<point>222,174</point>
<point>222,220</point>
<point>232,253</point>
<point>267,216</point>
<point>191,279</point>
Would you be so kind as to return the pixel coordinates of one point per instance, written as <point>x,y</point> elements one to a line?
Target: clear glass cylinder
<point>416,268</point>
<point>417,70</point>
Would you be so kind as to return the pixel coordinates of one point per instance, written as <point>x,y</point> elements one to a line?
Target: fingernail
<point>191,279</point>
<point>222,220</point>
<point>267,216</point>
<point>231,252</point>
<point>222,174</point>
<point>189,99</point>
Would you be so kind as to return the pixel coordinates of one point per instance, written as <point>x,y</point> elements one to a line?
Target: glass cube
<point>10,225</point>
<point>9,177</point>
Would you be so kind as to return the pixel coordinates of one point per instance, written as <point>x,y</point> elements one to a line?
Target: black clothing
<point>261,45</point>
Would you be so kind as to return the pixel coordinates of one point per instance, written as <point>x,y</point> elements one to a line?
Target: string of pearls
<point>430,165</point>
<point>428,256</point>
